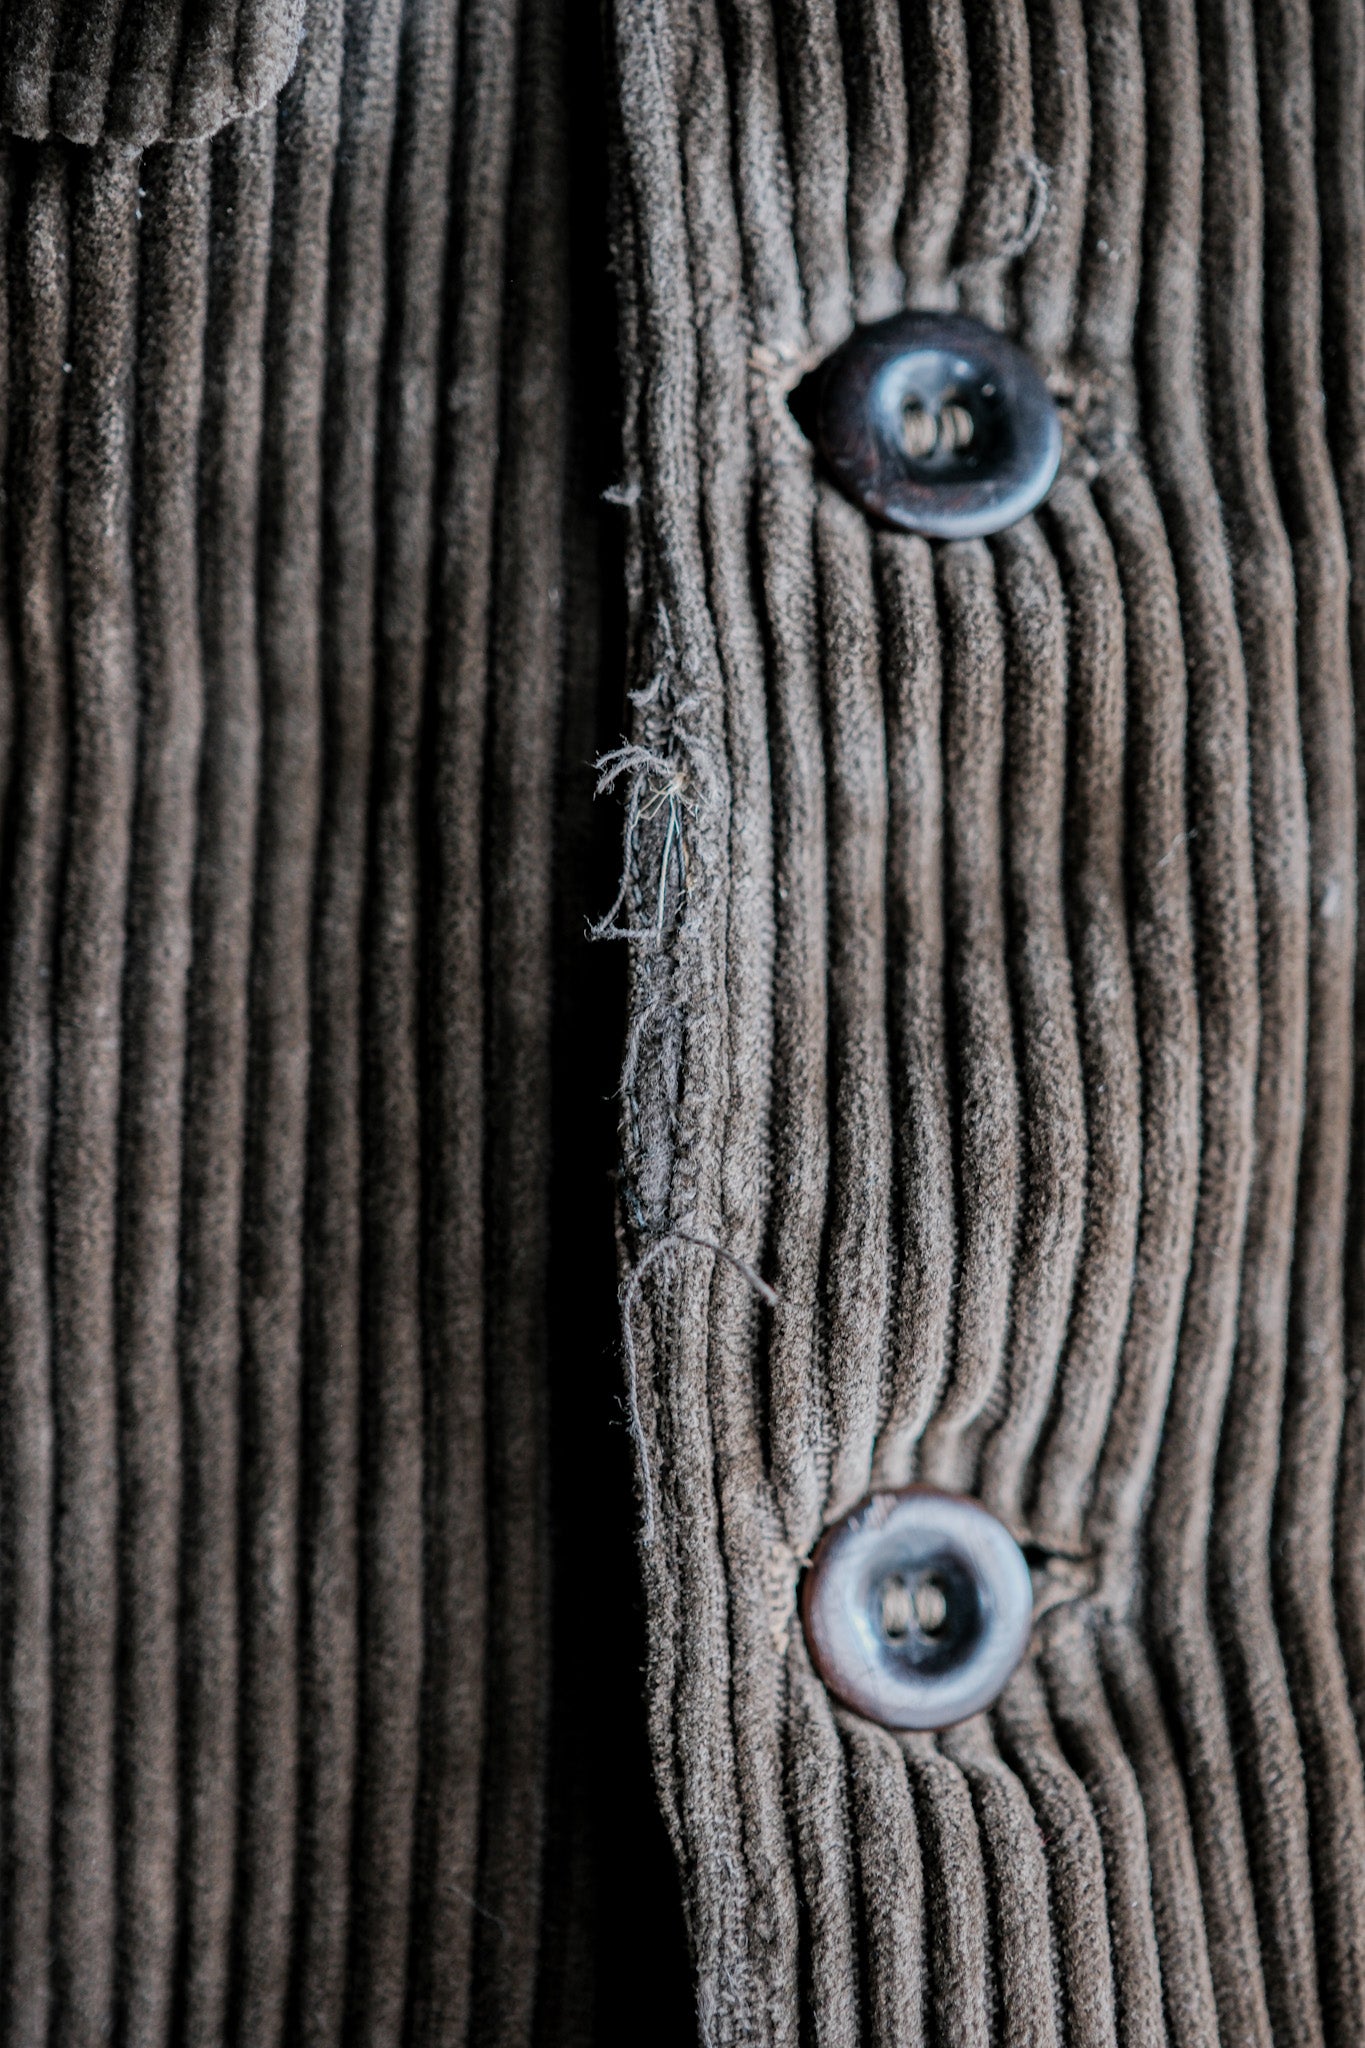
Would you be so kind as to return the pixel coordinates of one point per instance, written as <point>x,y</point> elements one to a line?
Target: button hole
<point>897,1610</point>
<point>922,1605</point>
<point>931,1603</point>
<point>919,431</point>
<point>945,432</point>
<point>956,428</point>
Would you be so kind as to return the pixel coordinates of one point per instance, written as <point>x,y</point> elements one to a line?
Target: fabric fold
<point>134,72</point>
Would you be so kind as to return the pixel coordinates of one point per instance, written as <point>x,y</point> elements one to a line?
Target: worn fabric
<point>144,71</point>
<point>299,709</point>
<point>395,422</point>
<point>991,915</point>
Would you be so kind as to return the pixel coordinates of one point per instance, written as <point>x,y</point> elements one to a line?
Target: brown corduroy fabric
<point>141,71</point>
<point>989,1110</point>
<point>298,732</point>
<point>991,910</point>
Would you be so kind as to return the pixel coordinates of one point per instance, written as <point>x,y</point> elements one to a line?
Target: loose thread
<point>630,1294</point>
<point>647,799</point>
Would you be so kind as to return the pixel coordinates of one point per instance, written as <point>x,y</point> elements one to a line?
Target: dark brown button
<point>934,424</point>
<point>917,1607</point>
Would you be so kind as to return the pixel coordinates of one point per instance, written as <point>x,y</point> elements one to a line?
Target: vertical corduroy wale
<point>1003,1029</point>
<point>988,1111</point>
<point>287,773</point>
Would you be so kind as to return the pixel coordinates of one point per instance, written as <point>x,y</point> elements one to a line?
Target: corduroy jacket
<point>572,1005</point>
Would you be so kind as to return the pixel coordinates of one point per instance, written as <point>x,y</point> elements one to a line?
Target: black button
<point>934,424</point>
<point>917,1607</point>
